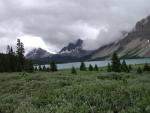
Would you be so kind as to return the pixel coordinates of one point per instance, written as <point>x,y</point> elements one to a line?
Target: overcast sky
<point>51,24</point>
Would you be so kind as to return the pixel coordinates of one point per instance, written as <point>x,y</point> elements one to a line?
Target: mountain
<point>38,54</point>
<point>70,53</point>
<point>74,50</point>
<point>135,44</point>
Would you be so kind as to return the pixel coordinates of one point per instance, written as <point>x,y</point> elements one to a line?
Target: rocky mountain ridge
<point>38,53</point>
<point>71,52</point>
<point>135,44</point>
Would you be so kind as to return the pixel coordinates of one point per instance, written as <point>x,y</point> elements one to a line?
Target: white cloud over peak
<point>51,24</point>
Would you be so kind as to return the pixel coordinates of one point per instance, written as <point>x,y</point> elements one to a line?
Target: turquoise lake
<point>101,63</point>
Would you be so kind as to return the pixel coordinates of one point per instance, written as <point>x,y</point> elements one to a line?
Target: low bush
<point>110,76</point>
<point>89,92</point>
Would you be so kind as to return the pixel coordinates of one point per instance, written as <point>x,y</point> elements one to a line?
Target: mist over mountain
<point>74,49</point>
<point>52,24</point>
<point>71,52</point>
<point>135,44</point>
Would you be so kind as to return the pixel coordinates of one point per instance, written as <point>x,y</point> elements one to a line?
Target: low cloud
<point>58,22</point>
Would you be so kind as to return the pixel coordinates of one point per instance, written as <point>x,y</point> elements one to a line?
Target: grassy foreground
<point>86,92</point>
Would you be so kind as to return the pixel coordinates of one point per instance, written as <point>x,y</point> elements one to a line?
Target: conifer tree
<point>12,59</point>
<point>82,66</point>
<point>35,69</point>
<point>90,67</point>
<point>48,69</point>
<point>10,50</point>
<point>109,68</point>
<point>7,60</point>
<point>44,68</point>
<point>124,66</point>
<point>40,68</point>
<point>2,63</point>
<point>116,66</point>
<point>53,66</point>
<point>139,70</point>
<point>73,70</point>
<point>130,67</point>
<point>20,54</point>
<point>12,62</point>
<point>95,67</point>
<point>146,67</point>
<point>28,66</point>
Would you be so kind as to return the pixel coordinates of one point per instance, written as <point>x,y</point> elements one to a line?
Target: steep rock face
<point>135,44</point>
<point>143,25</point>
<point>74,49</point>
<point>72,46</point>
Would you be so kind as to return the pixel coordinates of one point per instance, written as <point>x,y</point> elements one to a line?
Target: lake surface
<point>101,63</point>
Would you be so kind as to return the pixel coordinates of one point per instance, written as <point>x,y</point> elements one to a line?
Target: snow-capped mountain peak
<point>74,49</point>
<point>70,52</point>
<point>38,53</point>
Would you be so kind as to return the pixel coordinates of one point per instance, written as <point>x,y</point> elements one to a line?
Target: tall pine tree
<point>124,66</point>
<point>40,68</point>
<point>90,67</point>
<point>109,68</point>
<point>82,66</point>
<point>116,66</point>
<point>28,66</point>
<point>20,54</point>
<point>146,67</point>
<point>73,70</point>
<point>95,67</point>
<point>130,67</point>
<point>53,66</point>
<point>12,62</point>
<point>139,70</point>
<point>11,58</point>
<point>44,68</point>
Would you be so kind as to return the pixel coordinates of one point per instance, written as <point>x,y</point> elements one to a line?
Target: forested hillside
<point>15,61</point>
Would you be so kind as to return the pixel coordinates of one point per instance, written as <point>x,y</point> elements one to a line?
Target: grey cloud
<point>59,22</point>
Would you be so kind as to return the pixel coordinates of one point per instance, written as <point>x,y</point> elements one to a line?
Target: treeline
<point>15,61</point>
<point>84,68</point>
<point>145,68</point>
<point>117,66</point>
<point>52,67</point>
<point>90,68</point>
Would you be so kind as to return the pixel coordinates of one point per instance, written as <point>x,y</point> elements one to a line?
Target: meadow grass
<point>86,92</point>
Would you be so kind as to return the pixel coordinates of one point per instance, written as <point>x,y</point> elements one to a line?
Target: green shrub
<point>73,70</point>
<point>139,70</point>
<point>89,92</point>
<point>110,76</point>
